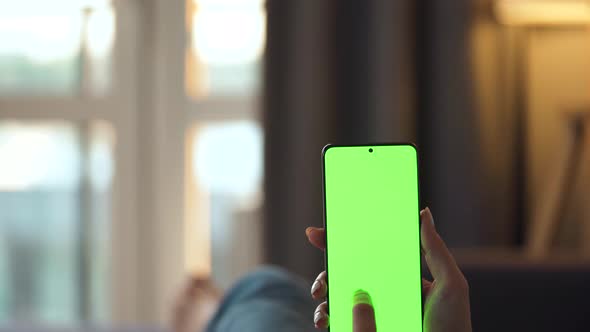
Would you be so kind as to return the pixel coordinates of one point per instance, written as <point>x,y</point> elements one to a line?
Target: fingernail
<point>315,287</point>
<point>308,230</point>
<point>361,297</point>
<point>426,214</point>
<point>317,317</point>
<point>429,213</point>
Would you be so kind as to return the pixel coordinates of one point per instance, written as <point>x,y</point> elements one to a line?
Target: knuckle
<point>457,288</point>
<point>460,285</point>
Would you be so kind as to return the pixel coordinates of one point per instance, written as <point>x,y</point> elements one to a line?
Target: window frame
<point>117,108</point>
<point>151,115</point>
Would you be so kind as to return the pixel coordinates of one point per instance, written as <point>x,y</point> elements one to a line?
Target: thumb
<point>440,262</point>
<point>363,315</point>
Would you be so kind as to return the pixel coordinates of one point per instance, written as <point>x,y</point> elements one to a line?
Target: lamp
<point>549,215</point>
<point>542,12</point>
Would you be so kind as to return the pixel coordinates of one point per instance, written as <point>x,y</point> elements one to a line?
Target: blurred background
<point>146,141</point>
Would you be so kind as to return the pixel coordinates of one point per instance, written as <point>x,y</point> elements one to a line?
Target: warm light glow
<point>197,228</point>
<point>230,3</point>
<point>542,12</point>
<point>227,43</point>
<point>229,32</point>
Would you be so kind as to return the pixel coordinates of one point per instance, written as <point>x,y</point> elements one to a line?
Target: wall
<point>558,83</point>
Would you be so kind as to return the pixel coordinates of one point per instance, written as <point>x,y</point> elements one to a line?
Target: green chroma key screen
<point>373,234</point>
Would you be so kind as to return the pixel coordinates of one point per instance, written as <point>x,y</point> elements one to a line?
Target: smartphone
<point>372,221</point>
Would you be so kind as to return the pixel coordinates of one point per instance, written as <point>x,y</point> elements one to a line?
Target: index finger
<point>363,314</point>
<point>441,263</point>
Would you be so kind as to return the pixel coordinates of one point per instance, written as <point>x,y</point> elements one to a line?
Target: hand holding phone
<point>446,301</point>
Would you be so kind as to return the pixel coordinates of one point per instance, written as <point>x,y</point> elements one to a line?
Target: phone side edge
<point>324,152</point>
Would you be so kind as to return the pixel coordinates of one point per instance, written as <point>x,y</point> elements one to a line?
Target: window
<point>96,92</point>
<point>55,47</point>
<point>226,172</point>
<point>224,140</point>
<point>54,191</point>
<point>224,58</point>
<point>57,160</point>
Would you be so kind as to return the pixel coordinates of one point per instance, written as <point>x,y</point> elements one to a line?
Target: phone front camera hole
<point>370,150</point>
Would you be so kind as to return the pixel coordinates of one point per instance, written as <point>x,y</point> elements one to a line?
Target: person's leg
<point>269,299</point>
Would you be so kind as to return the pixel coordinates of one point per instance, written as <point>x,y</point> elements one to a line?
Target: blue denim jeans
<point>269,299</point>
